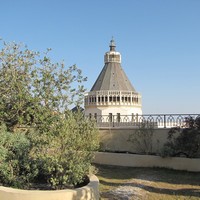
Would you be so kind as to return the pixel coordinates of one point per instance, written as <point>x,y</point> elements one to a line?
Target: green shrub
<point>35,93</point>
<point>66,157</point>
<point>142,138</point>
<point>184,141</point>
<point>16,169</point>
<point>60,158</point>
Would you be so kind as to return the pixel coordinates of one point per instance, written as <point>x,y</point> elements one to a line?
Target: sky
<point>159,42</point>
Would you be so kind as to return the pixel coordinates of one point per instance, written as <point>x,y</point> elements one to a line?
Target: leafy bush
<point>15,167</point>
<point>142,138</point>
<point>32,87</point>
<point>66,157</point>
<point>184,141</point>
<point>36,94</point>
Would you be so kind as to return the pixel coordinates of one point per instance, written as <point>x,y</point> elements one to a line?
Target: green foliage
<point>142,138</point>
<point>32,86</point>
<point>35,94</point>
<point>15,167</point>
<point>184,142</point>
<point>68,152</point>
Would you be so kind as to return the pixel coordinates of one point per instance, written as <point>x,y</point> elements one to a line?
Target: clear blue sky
<point>159,41</point>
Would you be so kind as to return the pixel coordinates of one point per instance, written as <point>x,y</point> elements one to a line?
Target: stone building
<point>113,93</point>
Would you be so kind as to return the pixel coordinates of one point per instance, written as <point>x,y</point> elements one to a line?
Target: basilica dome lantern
<point>112,92</point>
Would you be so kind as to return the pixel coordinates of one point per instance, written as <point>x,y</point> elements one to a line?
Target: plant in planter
<point>67,151</point>
<point>42,138</point>
<point>15,166</point>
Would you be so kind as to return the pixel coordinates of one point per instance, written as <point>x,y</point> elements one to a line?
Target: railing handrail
<point>158,120</point>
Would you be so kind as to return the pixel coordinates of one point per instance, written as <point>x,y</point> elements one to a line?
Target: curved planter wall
<point>89,192</point>
<point>134,160</point>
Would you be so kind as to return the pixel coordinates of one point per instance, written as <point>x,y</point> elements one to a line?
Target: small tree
<point>36,93</point>
<point>142,138</point>
<point>33,88</point>
<point>67,155</point>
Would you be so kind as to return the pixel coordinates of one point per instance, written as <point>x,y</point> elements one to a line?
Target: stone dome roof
<point>112,76</point>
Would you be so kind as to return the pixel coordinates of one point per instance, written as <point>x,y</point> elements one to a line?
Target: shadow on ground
<point>153,180</point>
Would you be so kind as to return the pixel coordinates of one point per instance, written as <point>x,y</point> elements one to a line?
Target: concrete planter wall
<point>133,160</point>
<point>89,192</point>
<point>116,139</point>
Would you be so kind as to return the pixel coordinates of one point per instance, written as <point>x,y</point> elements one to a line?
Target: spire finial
<point>112,44</point>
